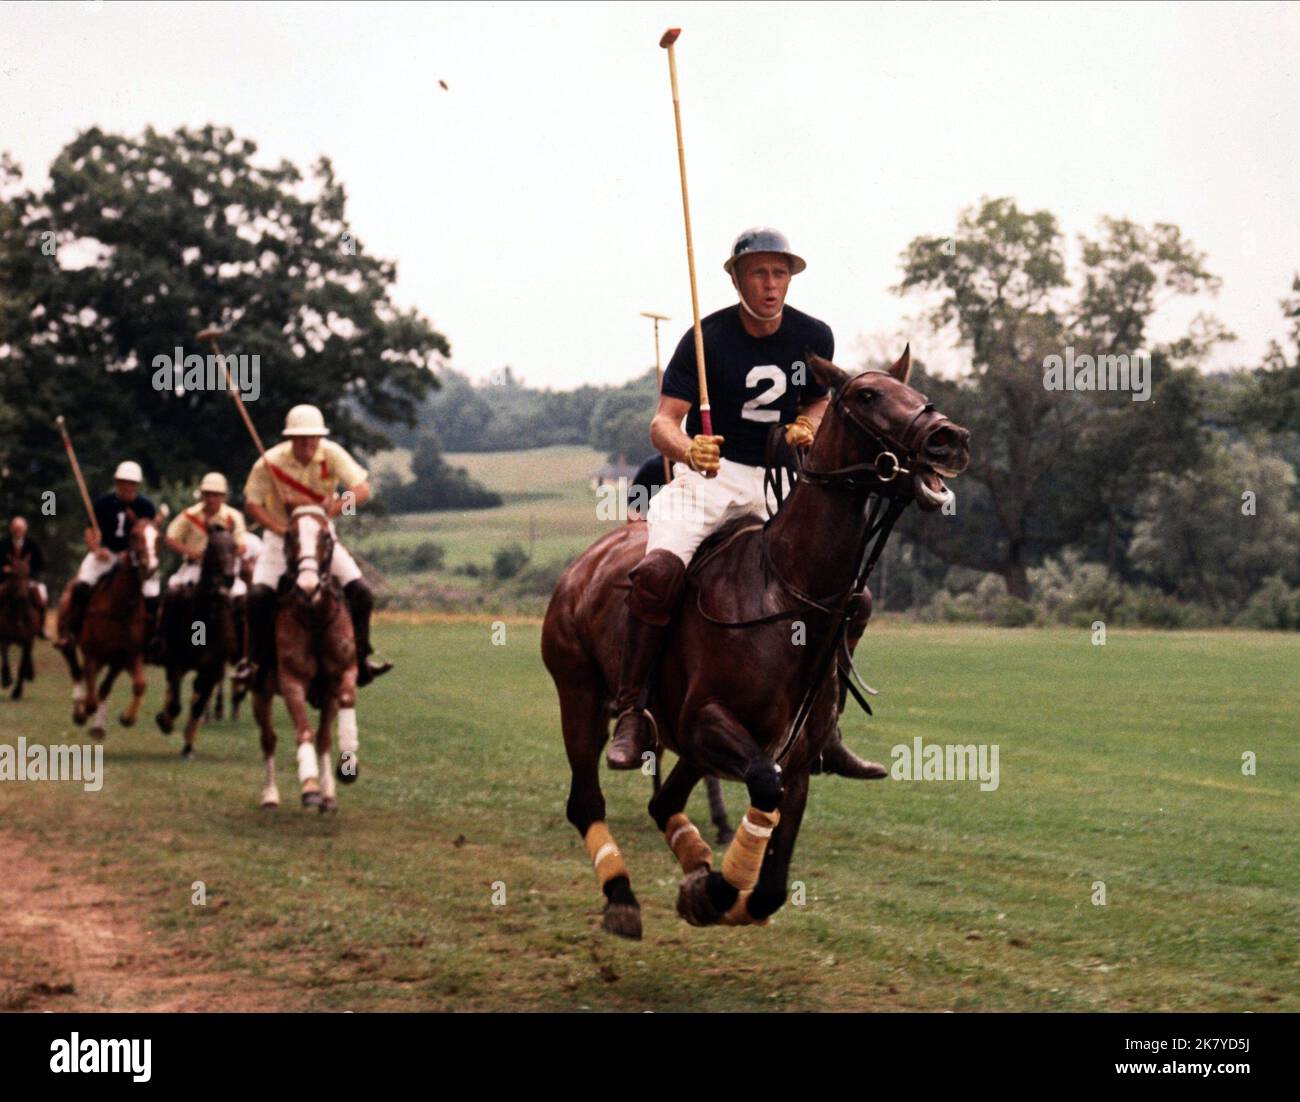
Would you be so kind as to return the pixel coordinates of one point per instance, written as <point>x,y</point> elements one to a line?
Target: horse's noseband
<point>886,466</point>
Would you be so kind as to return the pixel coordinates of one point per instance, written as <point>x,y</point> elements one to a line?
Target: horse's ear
<point>826,373</point>
<point>902,368</point>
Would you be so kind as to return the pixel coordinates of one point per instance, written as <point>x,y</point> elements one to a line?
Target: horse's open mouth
<point>931,490</point>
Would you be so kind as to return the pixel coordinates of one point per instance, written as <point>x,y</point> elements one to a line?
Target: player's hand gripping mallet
<point>706,417</point>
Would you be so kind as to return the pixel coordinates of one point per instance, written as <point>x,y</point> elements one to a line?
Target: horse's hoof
<point>165,724</point>
<point>693,902</point>
<point>328,805</point>
<point>187,752</point>
<point>126,720</point>
<point>79,718</point>
<point>311,799</point>
<point>623,919</point>
<point>97,732</point>
<point>347,769</point>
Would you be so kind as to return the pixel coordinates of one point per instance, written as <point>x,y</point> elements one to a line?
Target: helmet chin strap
<point>752,313</point>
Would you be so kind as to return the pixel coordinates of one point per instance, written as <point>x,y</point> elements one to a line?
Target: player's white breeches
<point>271,564</point>
<point>93,568</point>
<point>189,574</point>
<point>692,507</point>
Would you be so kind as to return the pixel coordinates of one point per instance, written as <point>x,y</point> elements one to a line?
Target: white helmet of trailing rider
<point>128,471</point>
<point>761,239</point>
<point>214,483</point>
<point>305,421</point>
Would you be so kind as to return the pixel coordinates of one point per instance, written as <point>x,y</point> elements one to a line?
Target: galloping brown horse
<point>316,663</point>
<point>208,603</point>
<point>740,694</point>
<point>113,633</point>
<point>19,625</point>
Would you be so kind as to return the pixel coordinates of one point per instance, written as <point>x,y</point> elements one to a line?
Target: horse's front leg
<point>6,678</point>
<point>204,678</point>
<point>262,702</point>
<point>329,709</point>
<point>770,892</point>
<point>348,768</point>
<point>294,691</point>
<point>138,686</point>
<point>91,704</point>
<point>721,744</point>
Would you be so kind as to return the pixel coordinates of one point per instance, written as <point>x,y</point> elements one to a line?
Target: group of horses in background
<point>203,629</point>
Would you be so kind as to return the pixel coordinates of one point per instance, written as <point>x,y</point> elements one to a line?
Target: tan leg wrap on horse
<point>605,857</point>
<point>692,851</point>
<point>739,914</point>
<point>744,859</point>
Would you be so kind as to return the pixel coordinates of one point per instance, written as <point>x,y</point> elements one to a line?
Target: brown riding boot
<point>657,583</point>
<point>839,761</point>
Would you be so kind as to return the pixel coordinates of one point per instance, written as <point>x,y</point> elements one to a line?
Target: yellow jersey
<point>312,483</point>
<point>189,527</point>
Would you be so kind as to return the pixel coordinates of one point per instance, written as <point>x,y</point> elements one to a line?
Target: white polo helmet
<point>129,471</point>
<point>305,421</point>
<point>214,483</point>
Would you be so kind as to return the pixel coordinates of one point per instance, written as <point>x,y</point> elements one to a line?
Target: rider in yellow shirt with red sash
<point>308,470</point>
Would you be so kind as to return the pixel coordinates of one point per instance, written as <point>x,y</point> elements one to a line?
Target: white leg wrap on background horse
<point>78,692</point>
<point>347,730</point>
<point>326,776</point>
<point>307,762</point>
<point>101,714</point>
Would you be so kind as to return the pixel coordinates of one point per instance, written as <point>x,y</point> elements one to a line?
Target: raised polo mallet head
<point>211,333</point>
<point>670,36</point>
<point>59,420</point>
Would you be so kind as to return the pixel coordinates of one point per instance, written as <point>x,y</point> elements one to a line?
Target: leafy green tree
<point>1037,480</point>
<point>155,237</point>
<point>437,485</point>
<point>1216,533</point>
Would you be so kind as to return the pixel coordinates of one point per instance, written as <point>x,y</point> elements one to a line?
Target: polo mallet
<point>76,473</point>
<point>211,333</point>
<point>706,417</point>
<point>659,378</point>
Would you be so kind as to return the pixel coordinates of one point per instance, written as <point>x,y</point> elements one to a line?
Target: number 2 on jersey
<point>753,409</point>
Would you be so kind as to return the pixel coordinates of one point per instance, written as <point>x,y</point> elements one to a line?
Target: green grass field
<point>1119,764</point>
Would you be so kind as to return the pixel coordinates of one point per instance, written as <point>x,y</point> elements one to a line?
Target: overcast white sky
<point>534,208</point>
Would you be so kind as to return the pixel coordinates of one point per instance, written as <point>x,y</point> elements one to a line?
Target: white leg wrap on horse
<point>270,769</point>
<point>326,776</point>
<point>347,730</point>
<point>101,714</point>
<point>307,770</point>
<point>78,692</point>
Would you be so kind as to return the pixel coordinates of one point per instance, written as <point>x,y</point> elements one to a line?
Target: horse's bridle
<point>886,466</point>
<point>321,563</point>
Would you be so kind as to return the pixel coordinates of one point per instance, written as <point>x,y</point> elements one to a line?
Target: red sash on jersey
<point>195,521</point>
<point>294,484</point>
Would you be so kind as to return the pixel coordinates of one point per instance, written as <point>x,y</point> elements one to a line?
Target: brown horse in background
<point>739,694</point>
<point>19,626</point>
<point>114,632</point>
<point>206,604</point>
<point>316,664</point>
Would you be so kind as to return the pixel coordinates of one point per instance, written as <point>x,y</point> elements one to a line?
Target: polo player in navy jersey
<point>754,355</point>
